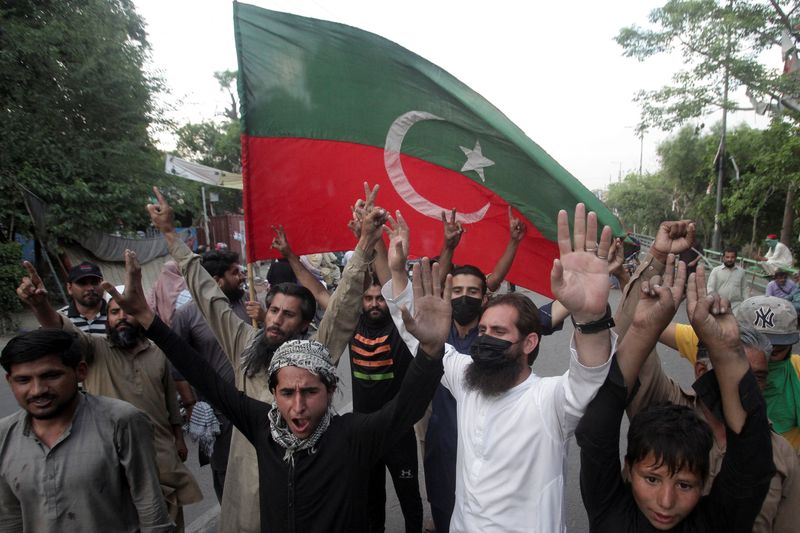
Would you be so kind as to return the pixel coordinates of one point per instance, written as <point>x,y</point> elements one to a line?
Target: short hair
<point>731,249</point>
<point>753,338</point>
<point>471,270</point>
<point>217,263</point>
<point>527,316</point>
<point>308,304</point>
<point>41,343</point>
<point>674,434</point>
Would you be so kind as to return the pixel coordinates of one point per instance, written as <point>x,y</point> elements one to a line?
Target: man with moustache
<point>513,425</point>
<point>126,366</point>
<point>101,449</point>
<point>87,308</point>
<point>378,361</point>
<point>470,294</point>
<point>189,324</point>
<point>290,309</point>
<point>728,280</point>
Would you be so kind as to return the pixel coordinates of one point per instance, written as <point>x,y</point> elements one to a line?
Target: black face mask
<point>466,309</point>
<point>488,351</point>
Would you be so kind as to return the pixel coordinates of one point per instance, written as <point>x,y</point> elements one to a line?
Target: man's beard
<point>125,337</point>
<point>377,319</point>
<point>261,357</point>
<point>89,300</point>
<point>234,295</point>
<point>496,379</point>
<point>731,265</point>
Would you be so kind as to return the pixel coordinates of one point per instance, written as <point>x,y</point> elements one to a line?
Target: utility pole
<point>716,241</point>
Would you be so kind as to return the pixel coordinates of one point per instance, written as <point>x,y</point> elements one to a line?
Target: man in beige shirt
<point>290,309</point>
<point>127,366</point>
<point>778,510</point>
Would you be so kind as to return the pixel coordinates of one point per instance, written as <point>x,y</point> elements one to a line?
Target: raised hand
<point>255,311</point>
<point>398,233</point>
<point>672,237</point>
<point>370,219</point>
<point>579,279</point>
<point>432,312</point>
<point>133,300</point>
<point>516,226</point>
<point>280,243</point>
<point>452,230</point>
<point>616,258</point>
<point>31,290</point>
<point>161,214</point>
<point>710,315</point>
<point>660,298</point>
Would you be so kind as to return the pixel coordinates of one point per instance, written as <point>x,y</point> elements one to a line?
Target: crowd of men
<point>98,445</point>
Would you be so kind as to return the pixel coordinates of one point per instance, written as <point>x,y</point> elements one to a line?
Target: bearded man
<point>513,425</point>
<point>289,310</point>
<point>379,359</point>
<point>126,366</point>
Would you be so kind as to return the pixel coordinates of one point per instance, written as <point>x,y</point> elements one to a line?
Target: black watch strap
<point>596,326</point>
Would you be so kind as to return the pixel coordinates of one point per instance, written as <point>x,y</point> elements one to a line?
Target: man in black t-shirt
<point>378,361</point>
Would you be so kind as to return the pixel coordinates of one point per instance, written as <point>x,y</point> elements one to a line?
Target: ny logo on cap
<point>765,318</point>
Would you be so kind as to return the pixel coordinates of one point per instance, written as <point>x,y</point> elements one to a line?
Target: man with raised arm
<point>668,445</point>
<point>513,425</point>
<point>126,366</point>
<point>312,463</point>
<point>290,308</point>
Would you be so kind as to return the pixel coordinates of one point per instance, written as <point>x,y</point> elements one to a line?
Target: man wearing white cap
<point>777,320</point>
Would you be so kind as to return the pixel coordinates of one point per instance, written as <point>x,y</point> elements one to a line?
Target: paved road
<point>552,360</point>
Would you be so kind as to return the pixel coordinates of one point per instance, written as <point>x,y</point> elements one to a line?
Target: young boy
<point>668,445</point>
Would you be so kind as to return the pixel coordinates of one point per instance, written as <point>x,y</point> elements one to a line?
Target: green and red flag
<point>326,107</point>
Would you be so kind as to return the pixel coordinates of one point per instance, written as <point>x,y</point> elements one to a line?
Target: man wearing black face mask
<point>513,430</point>
<point>378,360</point>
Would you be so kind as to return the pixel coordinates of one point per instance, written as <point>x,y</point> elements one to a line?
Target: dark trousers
<point>401,461</point>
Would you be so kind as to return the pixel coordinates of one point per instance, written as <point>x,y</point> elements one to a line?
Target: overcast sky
<point>552,67</point>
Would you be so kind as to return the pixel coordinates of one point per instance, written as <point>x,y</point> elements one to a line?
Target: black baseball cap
<point>84,270</point>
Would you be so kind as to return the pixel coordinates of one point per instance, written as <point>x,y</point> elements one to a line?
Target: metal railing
<point>757,278</point>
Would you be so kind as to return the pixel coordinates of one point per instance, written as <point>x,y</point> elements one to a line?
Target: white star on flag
<point>475,160</point>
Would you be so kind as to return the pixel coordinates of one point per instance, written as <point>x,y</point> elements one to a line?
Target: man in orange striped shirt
<point>379,359</point>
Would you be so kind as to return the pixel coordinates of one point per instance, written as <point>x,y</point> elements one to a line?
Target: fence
<point>757,279</point>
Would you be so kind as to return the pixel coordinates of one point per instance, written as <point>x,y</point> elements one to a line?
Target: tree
<point>718,42</point>
<point>77,109</point>
<point>641,200</point>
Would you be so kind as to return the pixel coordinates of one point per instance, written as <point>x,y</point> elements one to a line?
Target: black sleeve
<point>597,435</point>
<point>247,414</point>
<point>376,432</point>
<point>546,320</point>
<point>747,468</point>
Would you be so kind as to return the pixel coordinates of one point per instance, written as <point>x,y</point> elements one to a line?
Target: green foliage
<point>77,108</point>
<point>641,201</point>
<point>11,272</point>
<point>712,36</point>
<point>684,187</point>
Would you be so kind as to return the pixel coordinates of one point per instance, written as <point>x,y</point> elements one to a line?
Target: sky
<point>552,67</point>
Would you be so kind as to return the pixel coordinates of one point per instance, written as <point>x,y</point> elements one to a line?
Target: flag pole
<point>251,287</point>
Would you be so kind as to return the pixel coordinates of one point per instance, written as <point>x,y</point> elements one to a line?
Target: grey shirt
<point>189,324</point>
<point>99,476</point>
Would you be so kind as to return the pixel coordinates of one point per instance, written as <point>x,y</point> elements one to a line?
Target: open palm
<point>579,279</point>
